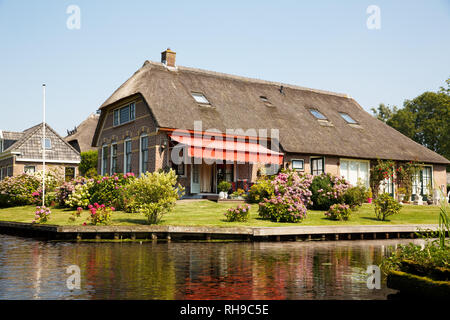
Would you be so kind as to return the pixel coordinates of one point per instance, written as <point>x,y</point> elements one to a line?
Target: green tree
<point>425,119</point>
<point>88,164</point>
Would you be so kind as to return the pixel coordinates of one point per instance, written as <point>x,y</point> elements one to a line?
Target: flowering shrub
<point>100,214</point>
<point>241,213</point>
<point>42,215</point>
<point>355,196</point>
<point>75,214</point>
<point>154,194</point>
<point>327,190</point>
<point>18,190</point>
<point>66,188</point>
<point>339,212</point>
<point>290,197</point>
<point>80,196</point>
<point>385,206</point>
<point>239,193</point>
<point>263,188</point>
<point>110,190</point>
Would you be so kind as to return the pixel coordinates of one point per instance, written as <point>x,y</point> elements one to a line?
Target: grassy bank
<point>208,213</point>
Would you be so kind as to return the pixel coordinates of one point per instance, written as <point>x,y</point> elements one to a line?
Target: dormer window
<point>317,114</point>
<point>124,114</point>
<point>200,98</point>
<point>347,118</point>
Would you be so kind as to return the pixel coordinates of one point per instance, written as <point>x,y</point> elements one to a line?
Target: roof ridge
<point>248,79</point>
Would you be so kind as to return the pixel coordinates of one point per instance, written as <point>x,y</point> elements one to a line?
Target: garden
<point>288,198</point>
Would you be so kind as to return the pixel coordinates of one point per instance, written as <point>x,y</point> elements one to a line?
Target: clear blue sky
<point>318,44</point>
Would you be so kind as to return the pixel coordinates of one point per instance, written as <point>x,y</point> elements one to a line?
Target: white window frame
<point>125,154</point>
<point>12,171</point>
<point>44,145</point>
<point>343,114</point>
<point>102,168</point>
<point>130,118</point>
<point>111,159</point>
<point>141,164</point>
<point>367,185</point>
<point>431,178</point>
<point>203,99</point>
<point>24,167</point>
<point>298,169</point>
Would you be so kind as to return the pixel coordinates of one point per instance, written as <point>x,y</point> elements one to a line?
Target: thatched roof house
<point>22,152</point>
<point>80,138</point>
<point>312,123</point>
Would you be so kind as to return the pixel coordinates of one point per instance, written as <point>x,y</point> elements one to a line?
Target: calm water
<point>31,269</point>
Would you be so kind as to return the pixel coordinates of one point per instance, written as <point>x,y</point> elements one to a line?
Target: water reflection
<point>31,269</point>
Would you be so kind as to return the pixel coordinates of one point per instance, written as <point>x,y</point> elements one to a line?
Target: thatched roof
<point>81,139</point>
<point>236,103</point>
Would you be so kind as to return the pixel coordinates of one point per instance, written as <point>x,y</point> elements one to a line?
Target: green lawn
<point>208,213</point>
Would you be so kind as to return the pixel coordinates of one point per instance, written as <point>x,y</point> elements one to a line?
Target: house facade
<point>22,152</point>
<point>225,127</point>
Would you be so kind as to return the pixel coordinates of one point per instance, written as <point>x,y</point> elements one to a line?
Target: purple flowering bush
<point>290,197</point>
<point>18,190</point>
<point>339,211</point>
<point>110,190</point>
<point>327,190</point>
<point>42,214</point>
<point>241,213</point>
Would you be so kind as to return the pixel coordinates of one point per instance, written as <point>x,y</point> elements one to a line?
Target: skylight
<point>317,114</point>
<point>347,118</point>
<point>264,99</point>
<point>200,98</point>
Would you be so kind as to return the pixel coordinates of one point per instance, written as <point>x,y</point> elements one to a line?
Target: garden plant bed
<point>410,284</point>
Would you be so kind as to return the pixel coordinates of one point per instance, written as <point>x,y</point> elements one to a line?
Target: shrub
<point>42,215</point>
<point>224,186</point>
<point>327,190</point>
<point>75,214</point>
<point>238,193</point>
<point>289,200</point>
<point>263,188</point>
<point>241,213</point>
<point>100,214</point>
<point>110,190</point>
<point>88,164</point>
<point>354,197</point>
<point>339,212</point>
<point>154,194</point>
<point>80,196</point>
<point>386,206</point>
<point>18,190</point>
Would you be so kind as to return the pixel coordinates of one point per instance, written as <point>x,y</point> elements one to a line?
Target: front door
<point>195,178</point>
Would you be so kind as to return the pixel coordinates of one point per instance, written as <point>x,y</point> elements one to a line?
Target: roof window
<point>200,98</point>
<point>347,118</point>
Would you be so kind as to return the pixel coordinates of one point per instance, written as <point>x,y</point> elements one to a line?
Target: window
<point>179,169</point>
<point>422,181</point>
<point>271,169</point>
<point>124,114</point>
<point>9,171</point>
<point>29,169</point>
<point>1,146</point>
<point>144,154</point>
<point>69,173</point>
<point>355,171</point>
<point>266,101</point>
<point>298,165</point>
<point>225,172</point>
<point>104,159</point>
<point>113,159</point>
<point>317,166</point>
<point>200,98</point>
<point>127,155</point>
<point>47,143</point>
<point>317,114</point>
<point>1,174</point>
<point>347,118</point>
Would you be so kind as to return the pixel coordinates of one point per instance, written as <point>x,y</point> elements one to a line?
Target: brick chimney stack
<point>168,57</point>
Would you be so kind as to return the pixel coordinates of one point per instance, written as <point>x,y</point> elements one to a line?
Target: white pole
<point>43,147</point>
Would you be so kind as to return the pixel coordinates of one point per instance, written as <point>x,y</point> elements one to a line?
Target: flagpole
<point>43,146</point>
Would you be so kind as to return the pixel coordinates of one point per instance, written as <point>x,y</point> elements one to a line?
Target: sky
<point>332,45</point>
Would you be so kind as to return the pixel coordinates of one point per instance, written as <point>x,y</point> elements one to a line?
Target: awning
<point>227,149</point>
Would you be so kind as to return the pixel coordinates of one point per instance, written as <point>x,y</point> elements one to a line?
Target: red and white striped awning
<point>227,149</point>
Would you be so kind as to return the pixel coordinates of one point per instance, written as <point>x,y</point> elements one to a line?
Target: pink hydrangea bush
<point>42,214</point>
<point>290,198</point>
<point>100,214</point>
<point>327,190</point>
<point>339,211</point>
<point>241,213</point>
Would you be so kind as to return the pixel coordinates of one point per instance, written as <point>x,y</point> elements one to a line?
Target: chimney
<point>168,57</point>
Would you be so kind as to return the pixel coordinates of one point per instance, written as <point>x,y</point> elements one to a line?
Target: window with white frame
<point>355,171</point>
<point>422,181</point>
<point>9,171</point>
<point>47,143</point>
<point>317,166</point>
<point>113,167</point>
<point>104,160</point>
<point>127,156</point>
<point>29,169</point>
<point>124,114</point>
<point>200,98</point>
<point>298,164</point>
<point>144,154</point>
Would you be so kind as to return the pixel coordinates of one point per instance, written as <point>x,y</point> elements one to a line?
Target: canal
<point>32,269</point>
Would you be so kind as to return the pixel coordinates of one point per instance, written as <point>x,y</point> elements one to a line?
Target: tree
<point>425,119</point>
<point>88,164</point>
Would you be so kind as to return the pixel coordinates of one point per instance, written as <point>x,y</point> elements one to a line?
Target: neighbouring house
<point>80,138</point>
<point>21,152</point>
<point>165,112</point>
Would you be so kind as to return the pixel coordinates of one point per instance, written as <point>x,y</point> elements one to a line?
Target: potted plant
<point>223,188</point>
<point>401,194</point>
<point>238,194</point>
<point>369,195</point>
